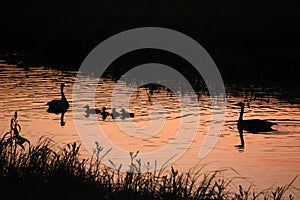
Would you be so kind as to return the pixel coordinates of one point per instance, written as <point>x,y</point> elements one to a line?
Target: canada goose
<point>59,106</point>
<point>104,113</point>
<point>89,110</point>
<point>125,114</point>
<point>253,125</point>
<point>114,114</point>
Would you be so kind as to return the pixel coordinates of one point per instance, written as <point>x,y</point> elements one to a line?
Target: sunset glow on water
<point>268,159</point>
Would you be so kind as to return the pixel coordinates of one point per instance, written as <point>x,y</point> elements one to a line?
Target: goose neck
<point>62,93</point>
<point>241,114</point>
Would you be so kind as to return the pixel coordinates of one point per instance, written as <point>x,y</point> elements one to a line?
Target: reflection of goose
<point>253,125</point>
<point>62,122</point>
<point>114,114</point>
<point>104,113</point>
<point>125,114</point>
<point>59,106</point>
<point>89,110</point>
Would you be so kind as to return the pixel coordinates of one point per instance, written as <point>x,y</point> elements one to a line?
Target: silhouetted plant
<point>12,138</point>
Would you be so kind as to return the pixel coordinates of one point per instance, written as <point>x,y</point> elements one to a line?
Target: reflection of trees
<point>152,88</point>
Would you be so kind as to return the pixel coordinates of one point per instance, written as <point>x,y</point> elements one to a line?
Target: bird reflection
<point>62,122</point>
<point>252,125</point>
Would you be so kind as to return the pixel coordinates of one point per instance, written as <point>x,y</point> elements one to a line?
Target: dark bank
<point>252,42</point>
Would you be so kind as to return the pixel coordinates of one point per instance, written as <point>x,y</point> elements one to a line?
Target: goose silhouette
<point>89,110</point>
<point>104,113</point>
<point>114,114</point>
<point>125,114</point>
<point>253,125</point>
<point>59,106</point>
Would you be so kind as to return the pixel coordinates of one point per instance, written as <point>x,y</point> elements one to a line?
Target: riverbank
<point>40,172</point>
<point>251,42</point>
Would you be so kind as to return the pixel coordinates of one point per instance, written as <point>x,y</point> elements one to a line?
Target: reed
<point>42,171</point>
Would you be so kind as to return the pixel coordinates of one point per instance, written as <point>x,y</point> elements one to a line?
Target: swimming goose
<point>253,125</point>
<point>114,114</point>
<point>59,106</point>
<point>89,110</point>
<point>104,113</point>
<point>125,114</point>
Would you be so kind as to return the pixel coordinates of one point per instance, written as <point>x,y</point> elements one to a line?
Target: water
<point>268,159</point>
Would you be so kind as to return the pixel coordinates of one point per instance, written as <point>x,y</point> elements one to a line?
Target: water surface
<point>268,159</point>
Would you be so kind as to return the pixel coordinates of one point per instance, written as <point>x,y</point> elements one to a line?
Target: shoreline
<point>286,89</point>
<point>40,169</point>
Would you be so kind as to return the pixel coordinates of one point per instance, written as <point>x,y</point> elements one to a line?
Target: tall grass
<point>38,172</point>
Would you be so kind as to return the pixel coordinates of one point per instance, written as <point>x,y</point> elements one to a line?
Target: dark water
<point>268,159</point>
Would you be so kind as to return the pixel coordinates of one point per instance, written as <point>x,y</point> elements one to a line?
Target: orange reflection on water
<point>272,158</point>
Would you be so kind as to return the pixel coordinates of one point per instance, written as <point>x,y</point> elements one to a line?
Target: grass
<point>39,172</point>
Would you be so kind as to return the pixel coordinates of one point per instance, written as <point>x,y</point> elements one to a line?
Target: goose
<point>104,113</point>
<point>89,110</point>
<point>253,125</point>
<point>59,106</point>
<point>125,114</point>
<point>114,114</point>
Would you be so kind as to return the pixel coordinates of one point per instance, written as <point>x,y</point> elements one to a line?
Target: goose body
<point>59,106</point>
<point>104,113</point>
<point>114,114</point>
<point>256,125</point>
<point>125,114</point>
<point>253,125</point>
<point>89,110</point>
